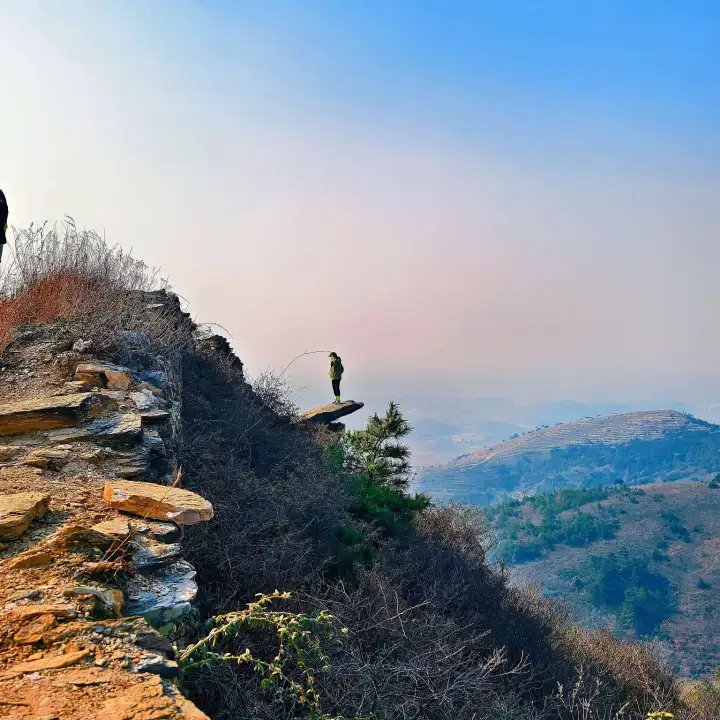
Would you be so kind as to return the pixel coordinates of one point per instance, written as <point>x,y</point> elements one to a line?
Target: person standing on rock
<point>3,222</point>
<point>336,372</point>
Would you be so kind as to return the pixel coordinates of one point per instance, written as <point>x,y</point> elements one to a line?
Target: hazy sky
<point>517,196</point>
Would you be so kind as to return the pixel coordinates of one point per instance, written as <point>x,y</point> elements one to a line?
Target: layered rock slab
<point>157,502</point>
<point>164,596</point>
<point>122,527</point>
<point>19,510</point>
<point>49,413</point>
<point>330,413</point>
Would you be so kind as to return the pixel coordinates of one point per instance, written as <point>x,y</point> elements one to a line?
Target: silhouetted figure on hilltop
<point>336,372</point>
<point>3,222</point>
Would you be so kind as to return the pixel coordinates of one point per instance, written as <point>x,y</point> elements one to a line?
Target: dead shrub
<point>278,510</point>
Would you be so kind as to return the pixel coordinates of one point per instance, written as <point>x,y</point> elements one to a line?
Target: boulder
<point>32,632</point>
<point>158,665</point>
<point>7,452</point>
<point>19,510</point>
<point>110,600</point>
<point>47,413</point>
<point>330,413</point>
<point>77,537</point>
<point>149,697</point>
<point>73,387</point>
<point>27,612</point>
<point>113,377</point>
<point>29,559</point>
<point>150,416</point>
<point>156,379</point>
<point>145,400</point>
<point>157,502</point>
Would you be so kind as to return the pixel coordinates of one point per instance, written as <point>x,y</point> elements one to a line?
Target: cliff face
<point>92,574</point>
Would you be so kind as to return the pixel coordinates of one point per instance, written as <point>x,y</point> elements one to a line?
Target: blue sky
<point>468,65</point>
<point>497,196</point>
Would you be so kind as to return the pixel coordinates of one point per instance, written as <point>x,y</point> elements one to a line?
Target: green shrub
<point>289,649</point>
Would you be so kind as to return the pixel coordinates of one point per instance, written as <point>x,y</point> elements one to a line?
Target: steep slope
<point>630,448</point>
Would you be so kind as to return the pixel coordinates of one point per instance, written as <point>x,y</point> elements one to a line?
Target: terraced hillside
<point>629,448</point>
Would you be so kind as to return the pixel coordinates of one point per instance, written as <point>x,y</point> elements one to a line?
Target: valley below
<point>617,516</point>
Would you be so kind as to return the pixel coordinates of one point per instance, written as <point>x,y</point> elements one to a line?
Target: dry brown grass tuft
<point>44,302</point>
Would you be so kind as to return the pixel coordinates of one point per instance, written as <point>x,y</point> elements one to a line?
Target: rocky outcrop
<point>92,572</point>
<point>327,414</point>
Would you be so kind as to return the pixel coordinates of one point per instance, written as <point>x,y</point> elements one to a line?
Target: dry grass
<point>98,292</point>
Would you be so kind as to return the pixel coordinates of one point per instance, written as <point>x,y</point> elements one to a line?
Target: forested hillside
<point>642,561</point>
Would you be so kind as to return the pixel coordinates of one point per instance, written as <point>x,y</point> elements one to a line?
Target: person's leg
<point>1,249</point>
<point>336,389</point>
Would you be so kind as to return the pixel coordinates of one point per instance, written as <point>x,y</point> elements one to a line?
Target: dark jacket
<point>3,217</point>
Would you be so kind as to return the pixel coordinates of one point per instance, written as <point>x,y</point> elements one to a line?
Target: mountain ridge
<point>630,448</point>
<point>607,428</point>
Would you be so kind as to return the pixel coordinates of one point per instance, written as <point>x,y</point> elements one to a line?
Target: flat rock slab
<point>47,663</point>
<point>113,377</point>
<point>157,502</point>
<point>48,413</point>
<point>330,413</point>
<point>19,510</point>
<point>121,527</point>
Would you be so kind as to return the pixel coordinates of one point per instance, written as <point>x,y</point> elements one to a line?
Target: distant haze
<point>516,199</point>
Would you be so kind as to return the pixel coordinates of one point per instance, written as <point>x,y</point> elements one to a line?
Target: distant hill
<point>643,561</point>
<point>446,427</point>
<point>631,448</point>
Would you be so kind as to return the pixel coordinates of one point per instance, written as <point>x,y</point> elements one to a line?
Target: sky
<point>507,198</point>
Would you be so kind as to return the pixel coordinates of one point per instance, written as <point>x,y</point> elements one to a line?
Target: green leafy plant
<point>299,643</point>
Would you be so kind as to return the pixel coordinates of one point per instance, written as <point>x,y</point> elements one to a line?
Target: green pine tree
<point>377,451</point>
